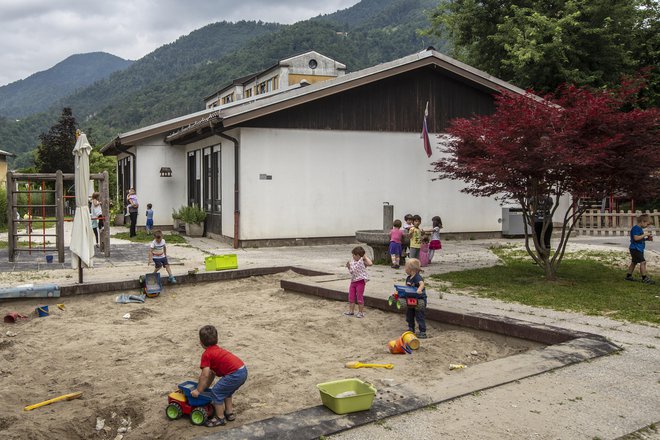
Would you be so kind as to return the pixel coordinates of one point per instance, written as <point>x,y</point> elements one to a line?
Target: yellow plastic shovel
<point>70,396</point>
<point>356,364</point>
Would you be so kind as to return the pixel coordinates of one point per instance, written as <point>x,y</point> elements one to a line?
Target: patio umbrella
<point>82,236</point>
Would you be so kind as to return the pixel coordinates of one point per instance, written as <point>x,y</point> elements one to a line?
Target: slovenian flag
<point>425,132</point>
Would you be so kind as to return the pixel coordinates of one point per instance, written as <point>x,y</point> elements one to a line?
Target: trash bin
<point>513,222</point>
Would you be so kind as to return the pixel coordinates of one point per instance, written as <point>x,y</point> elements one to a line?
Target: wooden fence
<point>595,222</point>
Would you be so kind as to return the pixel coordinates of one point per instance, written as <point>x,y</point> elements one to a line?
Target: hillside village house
<point>303,152</point>
<point>4,155</point>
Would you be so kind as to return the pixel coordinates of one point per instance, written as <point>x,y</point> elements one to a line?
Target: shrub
<point>192,214</point>
<point>3,208</point>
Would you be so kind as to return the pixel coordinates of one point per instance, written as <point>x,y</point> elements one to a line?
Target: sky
<point>37,34</point>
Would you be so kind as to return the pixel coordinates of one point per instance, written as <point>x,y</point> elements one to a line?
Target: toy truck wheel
<point>198,416</point>
<point>173,411</point>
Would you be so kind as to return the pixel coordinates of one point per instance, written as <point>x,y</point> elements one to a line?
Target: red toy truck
<point>181,402</point>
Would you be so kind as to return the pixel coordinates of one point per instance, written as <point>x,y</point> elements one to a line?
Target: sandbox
<point>126,367</point>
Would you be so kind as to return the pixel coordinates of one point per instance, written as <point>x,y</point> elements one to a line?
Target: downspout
<point>237,211</point>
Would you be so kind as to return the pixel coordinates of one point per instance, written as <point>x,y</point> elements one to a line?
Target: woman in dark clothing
<point>132,206</point>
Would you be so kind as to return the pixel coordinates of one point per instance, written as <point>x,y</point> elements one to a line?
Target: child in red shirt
<point>217,361</point>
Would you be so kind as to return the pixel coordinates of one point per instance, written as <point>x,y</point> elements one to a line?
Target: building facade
<point>317,162</point>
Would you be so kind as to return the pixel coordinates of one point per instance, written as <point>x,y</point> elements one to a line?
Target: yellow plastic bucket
<point>410,339</point>
<point>397,346</point>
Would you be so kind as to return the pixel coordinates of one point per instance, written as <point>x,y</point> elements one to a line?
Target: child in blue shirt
<point>150,218</point>
<point>638,237</point>
<point>418,312</point>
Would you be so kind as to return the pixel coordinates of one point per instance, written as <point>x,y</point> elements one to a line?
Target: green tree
<point>540,45</point>
<point>55,151</point>
<point>99,163</point>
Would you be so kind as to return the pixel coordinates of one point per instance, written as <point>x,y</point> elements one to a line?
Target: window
<point>227,99</point>
<point>267,86</point>
<point>124,180</point>
<point>204,178</point>
<point>194,179</point>
<point>248,92</point>
<point>216,169</point>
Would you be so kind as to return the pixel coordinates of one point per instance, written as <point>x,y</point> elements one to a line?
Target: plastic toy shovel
<point>361,365</point>
<point>70,396</point>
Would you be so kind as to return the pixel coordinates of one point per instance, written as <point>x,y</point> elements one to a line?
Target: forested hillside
<point>42,89</point>
<point>186,53</point>
<point>173,80</point>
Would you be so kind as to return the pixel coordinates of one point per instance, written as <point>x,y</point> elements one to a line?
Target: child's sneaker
<point>171,279</point>
<point>359,315</point>
<point>421,335</point>
<point>629,278</point>
<point>647,280</point>
<point>349,313</point>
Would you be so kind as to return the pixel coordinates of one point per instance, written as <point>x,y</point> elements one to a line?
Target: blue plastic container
<point>203,399</point>
<point>406,291</point>
<point>49,259</point>
<point>42,311</point>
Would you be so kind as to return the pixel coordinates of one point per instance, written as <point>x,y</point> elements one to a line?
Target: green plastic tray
<point>221,262</point>
<point>361,401</point>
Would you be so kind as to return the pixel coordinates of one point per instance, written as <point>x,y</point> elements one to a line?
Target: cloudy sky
<point>37,34</point>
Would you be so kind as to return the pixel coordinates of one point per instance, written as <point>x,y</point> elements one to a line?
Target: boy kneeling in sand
<point>219,362</point>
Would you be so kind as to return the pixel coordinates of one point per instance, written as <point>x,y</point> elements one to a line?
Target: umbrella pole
<point>80,272</point>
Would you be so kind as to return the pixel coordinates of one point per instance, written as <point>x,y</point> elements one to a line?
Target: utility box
<point>513,222</point>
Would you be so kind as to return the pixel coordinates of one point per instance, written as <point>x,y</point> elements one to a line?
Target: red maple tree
<point>581,143</point>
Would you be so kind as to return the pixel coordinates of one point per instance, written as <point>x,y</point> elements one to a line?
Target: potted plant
<point>193,217</point>
<point>176,220</point>
<point>117,212</point>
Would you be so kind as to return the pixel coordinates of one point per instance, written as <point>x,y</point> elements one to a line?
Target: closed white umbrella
<point>82,236</point>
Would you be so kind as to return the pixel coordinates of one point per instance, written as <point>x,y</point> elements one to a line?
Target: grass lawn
<point>587,283</point>
<point>143,237</point>
<point>5,244</point>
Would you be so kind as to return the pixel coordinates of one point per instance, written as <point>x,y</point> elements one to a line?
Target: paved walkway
<point>605,398</point>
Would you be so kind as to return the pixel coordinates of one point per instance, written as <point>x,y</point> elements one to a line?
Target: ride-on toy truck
<point>181,402</point>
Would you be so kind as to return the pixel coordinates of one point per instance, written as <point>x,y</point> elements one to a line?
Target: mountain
<point>41,90</point>
<point>386,33</point>
<point>174,79</point>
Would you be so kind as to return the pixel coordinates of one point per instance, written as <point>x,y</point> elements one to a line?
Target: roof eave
<point>376,73</point>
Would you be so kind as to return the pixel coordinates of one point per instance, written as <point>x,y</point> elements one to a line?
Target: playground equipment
<point>181,402</point>
<point>36,200</point>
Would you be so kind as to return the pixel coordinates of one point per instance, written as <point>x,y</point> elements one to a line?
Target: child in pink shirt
<point>359,277</point>
<point>396,234</point>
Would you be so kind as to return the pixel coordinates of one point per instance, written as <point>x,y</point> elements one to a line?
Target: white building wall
<point>164,193</point>
<point>332,183</point>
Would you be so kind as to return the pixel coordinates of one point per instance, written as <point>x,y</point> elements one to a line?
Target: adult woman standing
<point>132,206</point>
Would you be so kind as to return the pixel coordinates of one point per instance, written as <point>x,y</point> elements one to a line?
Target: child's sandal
<point>215,421</point>
<point>230,416</point>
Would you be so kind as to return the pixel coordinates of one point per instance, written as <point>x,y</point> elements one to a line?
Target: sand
<point>126,367</point>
